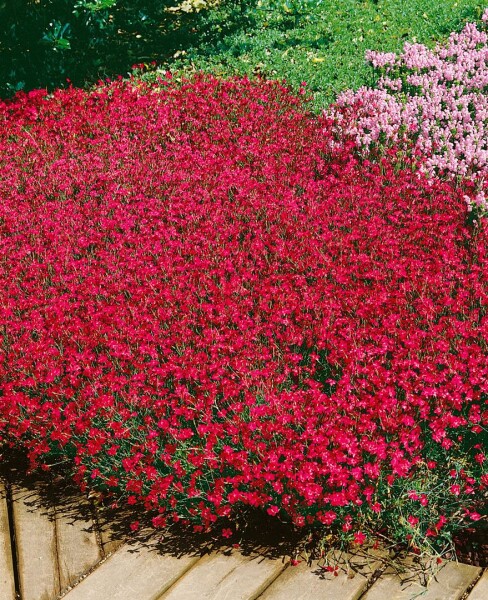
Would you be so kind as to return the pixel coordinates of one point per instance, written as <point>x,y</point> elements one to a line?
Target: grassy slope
<point>321,42</point>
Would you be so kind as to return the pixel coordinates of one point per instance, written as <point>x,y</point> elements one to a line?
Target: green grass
<point>321,42</point>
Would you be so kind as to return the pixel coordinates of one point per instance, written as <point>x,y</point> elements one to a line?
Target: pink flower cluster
<point>201,308</point>
<point>435,100</point>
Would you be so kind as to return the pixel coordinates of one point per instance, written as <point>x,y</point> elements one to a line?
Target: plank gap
<point>96,528</point>
<point>56,545</point>
<point>13,540</point>
<point>269,582</point>
<point>471,587</point>
<point>373,579</point>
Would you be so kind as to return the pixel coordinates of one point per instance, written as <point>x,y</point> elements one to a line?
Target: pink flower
<point>430,102</point>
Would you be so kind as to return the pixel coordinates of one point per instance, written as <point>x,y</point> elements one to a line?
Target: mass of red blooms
<point>204,307</point>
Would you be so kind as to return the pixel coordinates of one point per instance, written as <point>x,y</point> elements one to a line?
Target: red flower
<point>209,303</point>
<point>359,538</point>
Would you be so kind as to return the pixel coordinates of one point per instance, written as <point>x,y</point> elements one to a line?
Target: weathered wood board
<point>132,573</point>
<point>223,577</point>
<point>312,582</point>
<point>77,546</point>
<point>480,590</point>
<point>449,583</point>
<point>35,532</point>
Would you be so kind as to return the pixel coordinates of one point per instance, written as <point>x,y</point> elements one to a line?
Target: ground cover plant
<point>44,43</point>
<point>207,304</point>
<point>433,101</point>
<point>322,42</point>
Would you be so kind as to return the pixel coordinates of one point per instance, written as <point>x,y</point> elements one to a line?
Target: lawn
<point>320,42</point>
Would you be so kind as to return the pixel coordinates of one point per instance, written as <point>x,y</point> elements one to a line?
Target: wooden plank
<point>310,582</point>
<point>110,540</point>
<point>132,573</point>
<point>7,582</point>
<point>78,550</point>
<point>480,590</point>
<point>224,577</point>
<point>110,543</point>
<point>35,533</point>
<point>449,583</point>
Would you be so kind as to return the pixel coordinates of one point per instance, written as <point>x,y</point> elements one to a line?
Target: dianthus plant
<point>202,309</point>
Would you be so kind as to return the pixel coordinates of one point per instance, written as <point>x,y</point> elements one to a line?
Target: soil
<point>472,548</point>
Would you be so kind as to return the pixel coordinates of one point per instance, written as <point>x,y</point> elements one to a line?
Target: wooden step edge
<point>81,578</point>
<point>8,558</point>
<point>271,579</point>
<point>468,593</point>
<point>182,574</point>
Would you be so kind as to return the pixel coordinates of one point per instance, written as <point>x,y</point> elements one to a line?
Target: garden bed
<point>210,303</point>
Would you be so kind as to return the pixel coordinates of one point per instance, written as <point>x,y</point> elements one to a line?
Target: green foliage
<point>44,42</point>
<point>321,42</point>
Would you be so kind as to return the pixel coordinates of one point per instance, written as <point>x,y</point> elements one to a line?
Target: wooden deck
<point>63,549</point>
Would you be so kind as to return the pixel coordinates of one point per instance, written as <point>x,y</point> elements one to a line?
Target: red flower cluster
<point>201,308</point>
